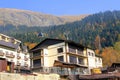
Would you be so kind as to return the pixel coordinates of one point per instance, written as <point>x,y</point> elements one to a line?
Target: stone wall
<point>13,76</point>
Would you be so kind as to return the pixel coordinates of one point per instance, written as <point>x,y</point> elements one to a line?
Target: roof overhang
<point>67,65</point>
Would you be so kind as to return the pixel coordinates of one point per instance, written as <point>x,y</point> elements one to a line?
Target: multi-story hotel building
<point>13,55</point>
<point>63,57</point>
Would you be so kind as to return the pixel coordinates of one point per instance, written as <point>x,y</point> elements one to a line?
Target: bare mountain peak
<point>29,18</point>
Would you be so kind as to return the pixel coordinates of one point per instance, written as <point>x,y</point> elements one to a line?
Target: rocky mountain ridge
<point>24,17</point>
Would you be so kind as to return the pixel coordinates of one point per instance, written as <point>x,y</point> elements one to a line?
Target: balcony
<point>18,51</point>
<point>76,52</point>
<point>36,56</point>
<point>10,55</point>
<point>81,63</point>
<point>18,63</point>
<point>26,65</point>
<point>72,50</point>
<point>37,65</point>
<point>25,58</point>
<point>18,57</point>
<point>1,53</point>
<point>80,53</point>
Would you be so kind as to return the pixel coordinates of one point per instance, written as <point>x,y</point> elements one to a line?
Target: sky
<point>63,7</point>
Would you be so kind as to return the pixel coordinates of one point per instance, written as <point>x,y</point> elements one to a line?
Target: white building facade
<point>94,61</point>
<point>12,50</point>
<point>66,54</point>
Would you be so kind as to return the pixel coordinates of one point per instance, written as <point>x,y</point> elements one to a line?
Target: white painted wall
<point>46,60</point>
<point>21,60</point>
<point>99,62</point>
<point>93,61</point>
<point>51,54</point>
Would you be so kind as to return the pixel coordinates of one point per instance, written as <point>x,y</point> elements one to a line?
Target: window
<point>37,53</point>
<point>60,50</point>
<point>89,53</point>
<point>73,59</point>
<point>1,53</point>
<point>96,60</point>
<point>60,58</point>
<point>99,60</point>
<point>80,52</point>
<point>80,61</point>
<point>37,63</point>
<point>92,54</point>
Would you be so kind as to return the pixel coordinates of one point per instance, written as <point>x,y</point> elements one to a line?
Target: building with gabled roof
<point>63,57</point>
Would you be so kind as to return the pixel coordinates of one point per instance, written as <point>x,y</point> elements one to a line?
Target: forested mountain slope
<point>106,25</point>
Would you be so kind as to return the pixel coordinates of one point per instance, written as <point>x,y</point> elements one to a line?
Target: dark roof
<point>48,41</point>
<point>114,65</point>
<point>9,44</point>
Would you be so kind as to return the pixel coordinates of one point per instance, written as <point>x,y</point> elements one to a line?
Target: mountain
<point>105,25</point>
<point>74,18</point>
<point>23,17</point>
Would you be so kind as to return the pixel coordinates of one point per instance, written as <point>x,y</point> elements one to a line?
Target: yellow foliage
<point>109,56</point>
<point>30,45</point>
